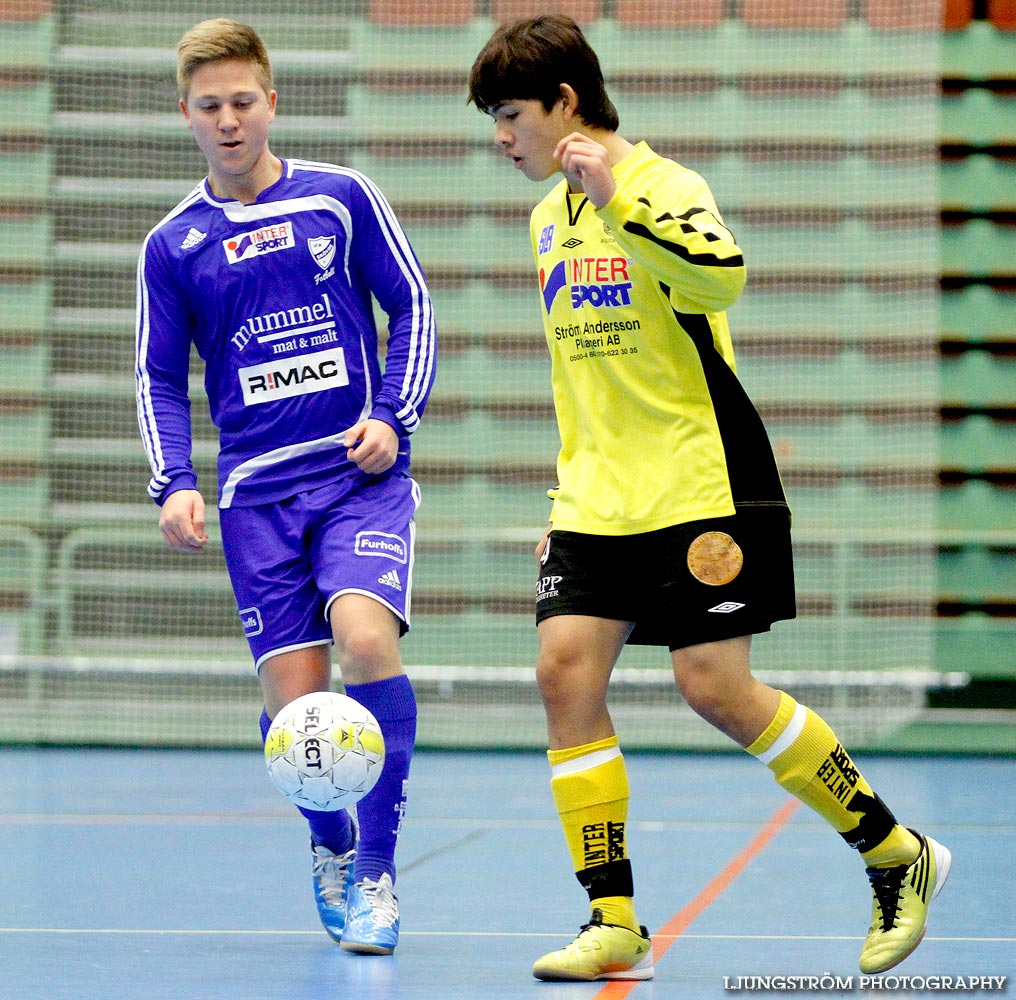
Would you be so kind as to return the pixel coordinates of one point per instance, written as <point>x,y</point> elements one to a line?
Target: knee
<point>705,699</point>
<point>552,677</point>
<point>364,652</point>
<point>561,678</point>
<point>713,694</point>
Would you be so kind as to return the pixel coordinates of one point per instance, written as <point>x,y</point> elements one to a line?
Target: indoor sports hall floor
<point>174,875</point>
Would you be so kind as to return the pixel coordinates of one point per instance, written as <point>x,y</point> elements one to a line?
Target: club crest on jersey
<point>256,242</point>
<point>546,239</point>
<point>596,281</point>
<point>322,249</point>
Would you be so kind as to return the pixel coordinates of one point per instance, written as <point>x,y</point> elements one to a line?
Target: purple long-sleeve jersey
<point>276,296</point>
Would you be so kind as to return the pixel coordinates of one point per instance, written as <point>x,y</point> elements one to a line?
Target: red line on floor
<point>681,920</point>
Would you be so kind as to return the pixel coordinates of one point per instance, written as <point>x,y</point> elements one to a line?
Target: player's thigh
<point>580,643</point>
<point>364,544</point>
<point>366,634</point>
<point>576,656</point>
<point>277,598</point>
<point>716,579</point>
<point>590,576</point>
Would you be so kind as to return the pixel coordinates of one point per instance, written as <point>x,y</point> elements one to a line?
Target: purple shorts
<point>288,560</point>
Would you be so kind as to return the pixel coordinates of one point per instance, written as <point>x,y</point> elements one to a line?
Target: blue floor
<point>170,875</point>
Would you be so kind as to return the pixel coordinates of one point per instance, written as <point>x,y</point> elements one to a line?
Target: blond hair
<point>220,38</point>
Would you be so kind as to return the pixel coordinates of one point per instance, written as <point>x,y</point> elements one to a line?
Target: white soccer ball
<point>324,751</point>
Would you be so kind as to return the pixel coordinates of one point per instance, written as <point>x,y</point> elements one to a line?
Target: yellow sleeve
<point>672,228</point>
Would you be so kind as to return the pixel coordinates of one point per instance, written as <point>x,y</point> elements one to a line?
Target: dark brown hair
<point>529,59</point>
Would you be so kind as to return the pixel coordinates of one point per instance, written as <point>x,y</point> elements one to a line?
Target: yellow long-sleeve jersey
<point>655,427</point>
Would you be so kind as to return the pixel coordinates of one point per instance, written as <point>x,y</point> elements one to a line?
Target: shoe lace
<point>595,920</point>
<point>382,900</point>
<point>887,886</point>
<point>331,872</point>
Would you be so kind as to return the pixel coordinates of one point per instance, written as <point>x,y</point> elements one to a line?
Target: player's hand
<point>587,163</point>
<point>182,521</point>
<point>373,446</point>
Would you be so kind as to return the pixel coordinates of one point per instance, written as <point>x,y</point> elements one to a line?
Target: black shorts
<point>691,583</point>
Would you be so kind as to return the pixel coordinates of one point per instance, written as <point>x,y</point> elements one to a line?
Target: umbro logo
<point>726,607</point>
<point>572,243</point>
<point>390,579</point>
<point>192,239</point>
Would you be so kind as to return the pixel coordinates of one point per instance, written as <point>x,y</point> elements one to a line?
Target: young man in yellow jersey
<point>669,524</point>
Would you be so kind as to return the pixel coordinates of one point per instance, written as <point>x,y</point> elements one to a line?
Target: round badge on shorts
<point>714,558</point>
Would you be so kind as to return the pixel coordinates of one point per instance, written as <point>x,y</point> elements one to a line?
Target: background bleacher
<point>878,335</point>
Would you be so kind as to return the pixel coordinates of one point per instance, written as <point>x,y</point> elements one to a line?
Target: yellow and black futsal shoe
<point>899,910</point>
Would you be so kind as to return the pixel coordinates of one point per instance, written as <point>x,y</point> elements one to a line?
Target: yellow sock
<point>808,761</point>
<point>590,788</point>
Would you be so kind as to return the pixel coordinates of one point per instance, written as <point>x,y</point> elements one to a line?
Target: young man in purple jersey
<point>268,268</point>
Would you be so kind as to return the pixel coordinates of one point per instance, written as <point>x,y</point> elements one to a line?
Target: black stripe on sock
<point>612,879</point>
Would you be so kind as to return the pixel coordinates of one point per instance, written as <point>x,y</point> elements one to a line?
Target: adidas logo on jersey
<point>390,579</point>
<point>192,239</point>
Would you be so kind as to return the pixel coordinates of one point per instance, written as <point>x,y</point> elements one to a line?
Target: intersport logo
<point>295,376</point>
<point>598,281</point>
<point>267,239</point>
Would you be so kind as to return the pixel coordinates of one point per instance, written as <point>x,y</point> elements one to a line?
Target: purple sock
<point>333,830</point>
<point>393,703</point>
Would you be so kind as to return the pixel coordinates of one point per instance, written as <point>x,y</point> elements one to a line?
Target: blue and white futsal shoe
<point>372,918</point>
<point>333,878</point>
